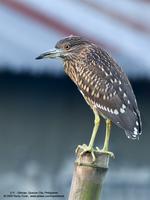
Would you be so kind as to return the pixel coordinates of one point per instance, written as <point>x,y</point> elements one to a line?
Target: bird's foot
<point>84,149</point>
<point>111,154</point>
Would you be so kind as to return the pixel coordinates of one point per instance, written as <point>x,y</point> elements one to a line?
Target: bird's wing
<point>106,86</point>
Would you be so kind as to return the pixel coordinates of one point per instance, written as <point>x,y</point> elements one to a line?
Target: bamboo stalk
<point>88,177</point>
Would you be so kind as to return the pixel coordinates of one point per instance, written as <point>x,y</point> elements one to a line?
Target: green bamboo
<point>88,177</point>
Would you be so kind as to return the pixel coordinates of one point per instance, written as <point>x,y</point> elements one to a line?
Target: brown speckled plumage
<point>102,83</point>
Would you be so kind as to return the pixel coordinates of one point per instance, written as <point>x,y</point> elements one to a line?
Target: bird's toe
<point>111,154</point>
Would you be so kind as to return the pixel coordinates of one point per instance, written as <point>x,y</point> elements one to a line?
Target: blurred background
<point>43,117</point>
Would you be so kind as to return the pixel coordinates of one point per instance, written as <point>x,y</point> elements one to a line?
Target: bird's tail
<point>137,128</point>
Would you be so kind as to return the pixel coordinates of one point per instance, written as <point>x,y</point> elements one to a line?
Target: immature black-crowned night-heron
<point>103,84</point>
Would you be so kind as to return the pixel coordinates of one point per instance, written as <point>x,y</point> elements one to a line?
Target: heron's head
<point>66,48</point>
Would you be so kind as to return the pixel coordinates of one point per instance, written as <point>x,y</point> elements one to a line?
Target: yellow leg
<point>107,137</point>
<point>90,148</point>
<point>95,129</point>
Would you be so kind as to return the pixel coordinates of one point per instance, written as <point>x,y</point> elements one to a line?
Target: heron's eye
<point>66,46</point>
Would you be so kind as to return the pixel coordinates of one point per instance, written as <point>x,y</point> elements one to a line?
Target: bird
<point>104,86</point>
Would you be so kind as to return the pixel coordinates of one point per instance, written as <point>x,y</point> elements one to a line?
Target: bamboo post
<point>88,177</point>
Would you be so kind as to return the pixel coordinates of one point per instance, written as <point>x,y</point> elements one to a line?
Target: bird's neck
<point>74,66</point>
<point>70,69</point>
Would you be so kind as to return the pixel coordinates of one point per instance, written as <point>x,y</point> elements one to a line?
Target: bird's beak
<point>53,53</point>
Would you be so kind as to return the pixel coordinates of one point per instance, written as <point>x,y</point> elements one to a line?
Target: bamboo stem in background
<point>88,177</point>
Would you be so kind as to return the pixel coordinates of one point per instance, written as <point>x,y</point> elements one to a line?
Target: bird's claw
<point>83,146</point>
<point>111,154</point>
<point>84,149</point>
